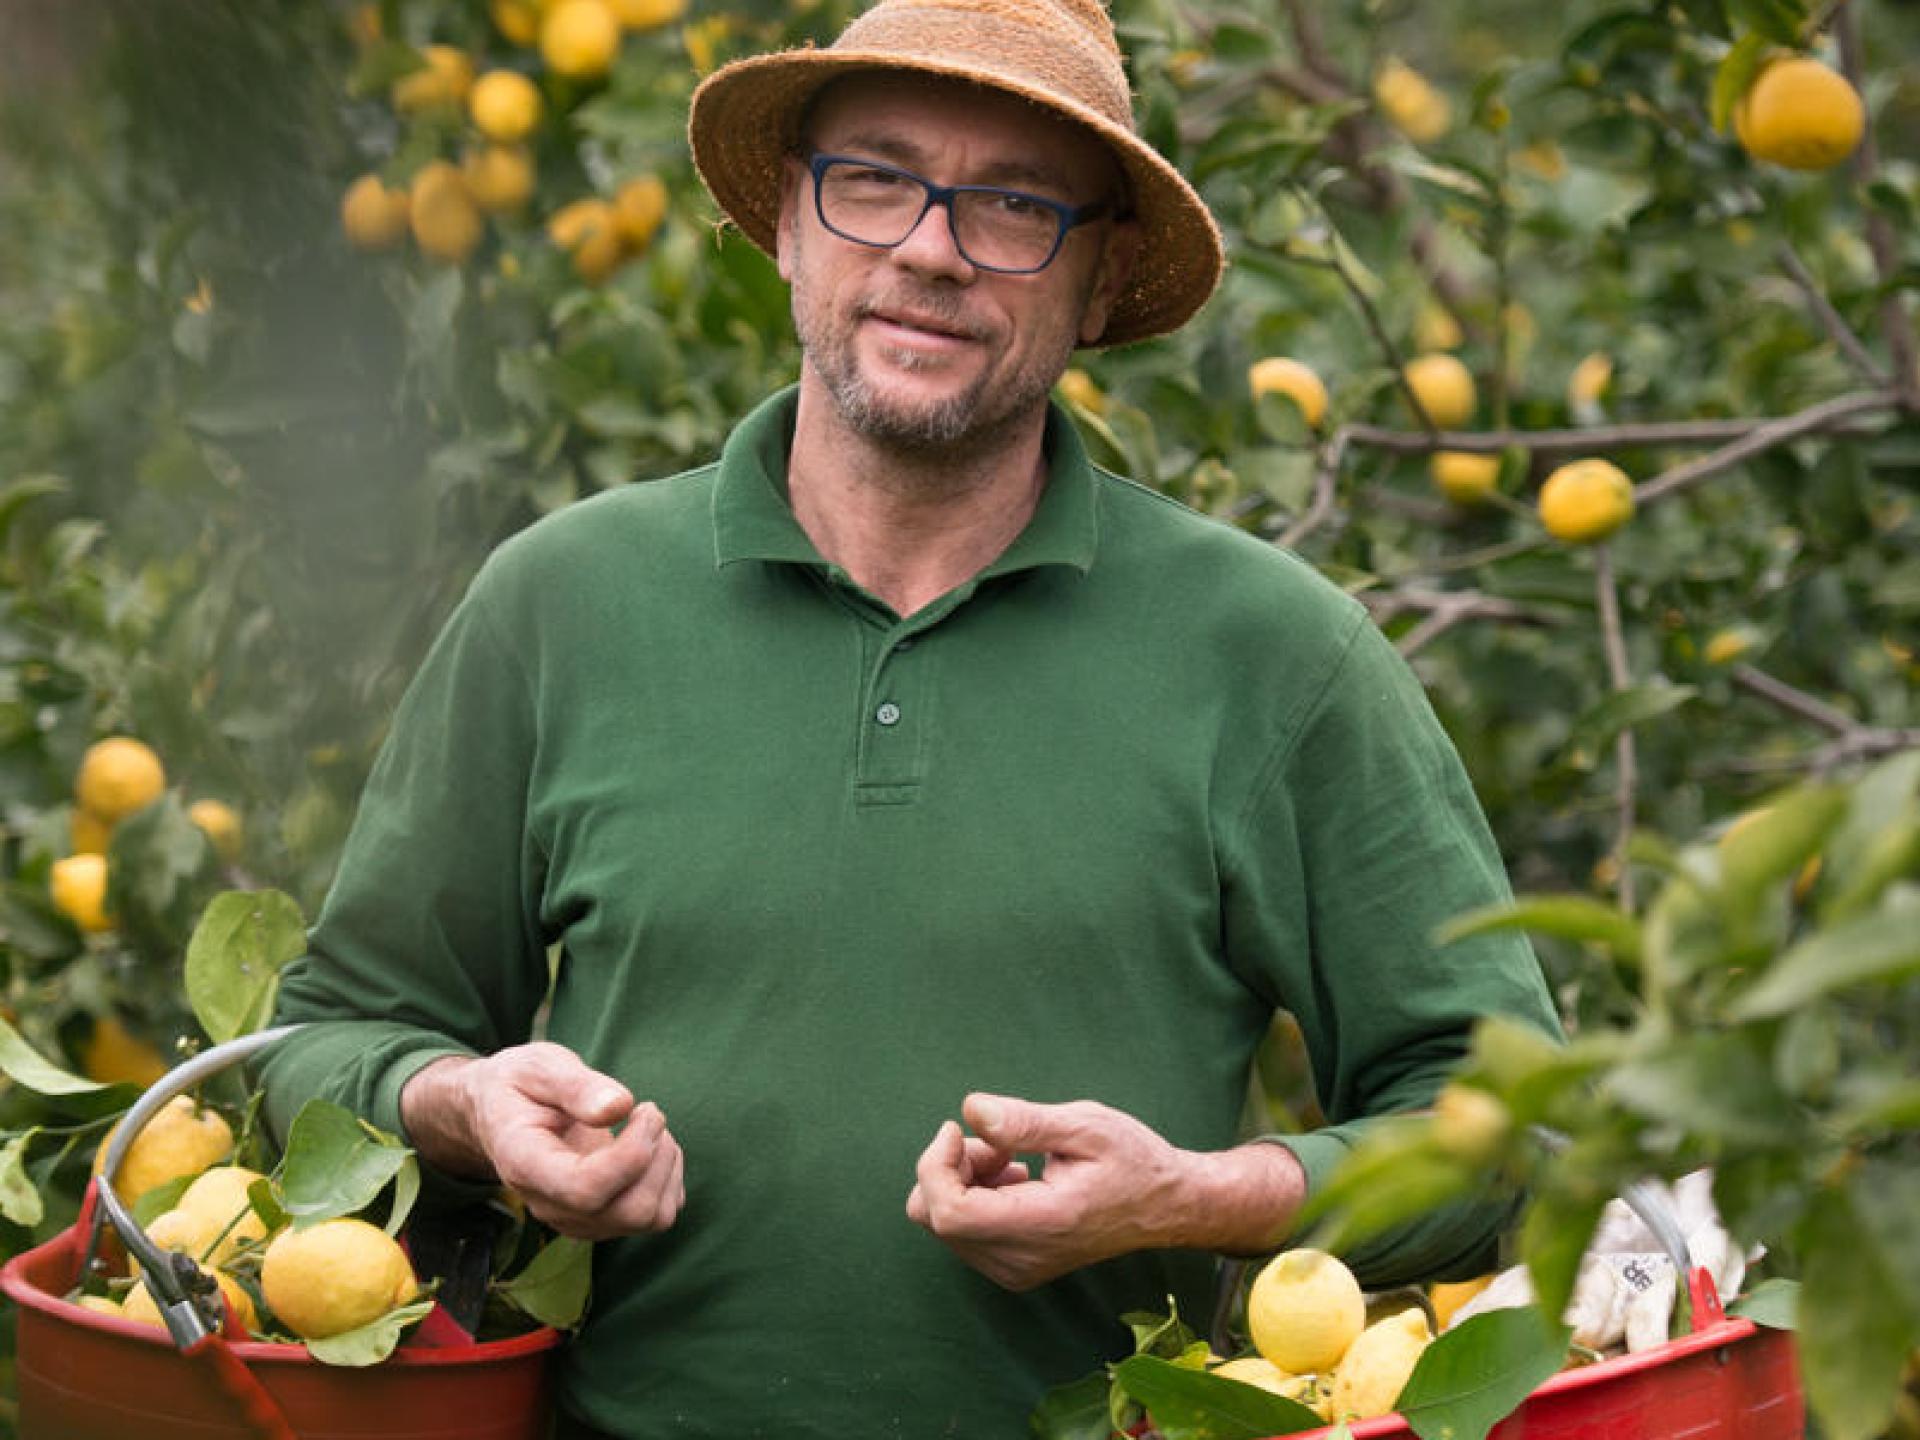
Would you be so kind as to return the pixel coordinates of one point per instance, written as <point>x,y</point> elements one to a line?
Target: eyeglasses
<point>875,204</point>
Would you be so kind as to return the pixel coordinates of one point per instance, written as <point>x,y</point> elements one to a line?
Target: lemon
<point>648,14</point>
<point>114,1055</point>
<point>1589,381</point>
<point>180,1139</point>
<point>218,1198</point>
<point>1434,328</point>
<point>499,177</point>
<point>100,1304</point>
<point>1374,1371</point>
<point>141,1306</point>
<point>1469,1123</point>
<point>579,39</point>
<point>589,232</point>
<point>442,83</point>
<point>1445,388</point>
<point>334,1276</point>
<point>1303,1311</point>
<point>517,20</point>
<point>505,106</point>
<point>184,1231</point>
<point>1078,388</point>
<point>446,223</point>
<point>1726,646</point>
<point>90,835</point>
<point>639,207</point>
<point>219,823</point>
<point>1411,104</point>
<point>78,884</point>
<point>1585,501</point>
<point>1447,1296</point>
<point>117,777</point>
<point>1800,114</point>
<point>1255,1370</point>
<point>1464,477</point>
<point>373,214</point>
<point>1281,375</point>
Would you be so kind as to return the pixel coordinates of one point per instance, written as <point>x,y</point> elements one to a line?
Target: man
<point>898,770</point>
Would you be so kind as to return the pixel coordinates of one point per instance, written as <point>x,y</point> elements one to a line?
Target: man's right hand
<point>569,1140</point>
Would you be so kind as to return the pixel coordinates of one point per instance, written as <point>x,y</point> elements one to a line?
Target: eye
<point>868,178</point>
<point>1015,206</point>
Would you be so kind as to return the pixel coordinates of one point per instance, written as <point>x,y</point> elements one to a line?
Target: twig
<point>1326,475</point>
<point>1388,349</point>
<point>1761,438</point>
<point>1830,319</point>
<point>1485,555</point>
<point>1613,638</point>
<point>1795,701</point>
<point>1868,744</point>
<point>1852,740</point>
<point>1447,608</point>
<point>1307,39</point>
<point>1880,237</point>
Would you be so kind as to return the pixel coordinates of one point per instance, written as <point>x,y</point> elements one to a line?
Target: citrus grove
<point>1579,344</point>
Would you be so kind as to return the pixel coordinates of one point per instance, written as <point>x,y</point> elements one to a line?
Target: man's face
<point>916,346</point>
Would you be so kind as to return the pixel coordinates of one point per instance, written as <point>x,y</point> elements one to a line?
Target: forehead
<point>929,119</point>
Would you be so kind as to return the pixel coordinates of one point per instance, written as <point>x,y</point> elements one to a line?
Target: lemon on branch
<point>499,178</point>
<point>579,39</point>
<point>446,223</point>
<point>373,214</point>
<point>219,823</point>
<point>639,209</point>
<point>505,106</point>
<point>1444,387</point>
<point>181,1138</point>
<point>1410,102</point>
<point>442,82</point>
<point>1282,375</point>
<point>588,231</point>
<point>118,776</point>
<point>1464,477</point>
<point>1585,501</point>
<point>78,884</point>
<point>648,14</point>
<point>1800,114</point>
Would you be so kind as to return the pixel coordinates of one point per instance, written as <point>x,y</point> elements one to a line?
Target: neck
<point>908,523</point>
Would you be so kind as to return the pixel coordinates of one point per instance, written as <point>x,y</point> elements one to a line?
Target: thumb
<point>571,1086</point>
<point>1007,1123</point>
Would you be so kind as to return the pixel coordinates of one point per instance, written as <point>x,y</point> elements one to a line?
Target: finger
<point>553,1075</point>
<point>652,1199</point>
<point>1011,1124</point>
<point>942,1182</point>
<point>980,1159</point>
<point>583,1169</point>
<point>917,1206</point>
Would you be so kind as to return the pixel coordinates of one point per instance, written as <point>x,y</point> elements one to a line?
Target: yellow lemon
<point>499,177</point>
<point>1255,1370</point>
<point>219,823</point>
<point>505,106</point>
<point>78,884</point>
<point>1434,328</point>
<point>1589,381</point>
<point>517,20</point>
<point>1445,387</point>
<point>1447,1296</point>
<point>1078,388</point>
<point>1375,1368</point>
<point>579,39</point>
<point>114,1055</point>
<point>648,14</point>
<point>139,1304</point>
<point>1464,477</point>
<point>588,231</point>
<point>1585,501</point>
<point>1800,114</point>
<point>1412,106</point>
<point>90,835</point>
<point>1469,1122</point>
<point>1303,1311</point>
<point>1280,375</point>
<point>180,1139</point>
<point>639,208</point>
<point>446,223</point>
<point>100,1304</point>
<point>373,214</point>
<point>218,1197</point>
<point>1542,159</point>
<point>334,1276</point>
<point>442,82</point>
<point>117,777</point>
<point>180,1230</point>
<point>1726,646</point>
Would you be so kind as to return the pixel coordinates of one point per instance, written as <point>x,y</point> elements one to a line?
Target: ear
<point>793,189</point>
<point>1117,259</point>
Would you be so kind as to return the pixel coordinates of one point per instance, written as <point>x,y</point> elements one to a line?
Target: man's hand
<point>586,1159</point>
<point>1109,1185</point>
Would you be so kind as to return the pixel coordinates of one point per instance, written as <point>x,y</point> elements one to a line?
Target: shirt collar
<point>753,521</point>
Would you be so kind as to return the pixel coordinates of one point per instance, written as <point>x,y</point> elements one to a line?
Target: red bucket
<point>1728,1380</point>
<point>83,1375</point>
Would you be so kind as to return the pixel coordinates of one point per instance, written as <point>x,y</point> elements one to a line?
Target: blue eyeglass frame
<point>1071,217</point>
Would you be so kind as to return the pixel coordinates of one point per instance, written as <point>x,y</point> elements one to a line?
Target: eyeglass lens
<point>997,229</point>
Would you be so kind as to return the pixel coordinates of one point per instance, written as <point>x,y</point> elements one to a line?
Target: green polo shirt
<point>815,871</point>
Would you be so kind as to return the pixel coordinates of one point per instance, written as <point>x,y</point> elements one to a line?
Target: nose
<point>932,247</point>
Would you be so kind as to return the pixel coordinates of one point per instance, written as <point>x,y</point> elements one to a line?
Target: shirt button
<point>888,714</point>
<point>900,647</point>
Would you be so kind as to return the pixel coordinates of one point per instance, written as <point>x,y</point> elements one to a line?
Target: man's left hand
<point>1109,1185</point>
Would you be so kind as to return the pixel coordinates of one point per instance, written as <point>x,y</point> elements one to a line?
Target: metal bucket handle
<point>188,1298</point>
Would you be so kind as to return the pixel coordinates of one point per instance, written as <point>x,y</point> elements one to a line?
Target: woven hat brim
<point>744,122</point>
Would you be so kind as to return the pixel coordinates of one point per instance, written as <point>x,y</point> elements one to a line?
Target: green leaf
<point>1194,1405</point>
<point>1854,1334</point>
<point>1625,709</point>
<point>1073,1412</point>
<point>1777,840</point>
<point>1717,1086</point>
<point>1166,1336</point>
<point>26,1067</point>
<point>1474,1376</point>
<point>336,1163</point>
<point>1735,73</point>
<point>372,1342</point>
<point>1566,917</point>
<point>1778,20</point>
<point>243,940</point>
<point>1879,947</point>
<point>554,1286</point>
<point>20,1201</point>
<point>1773,1303</point>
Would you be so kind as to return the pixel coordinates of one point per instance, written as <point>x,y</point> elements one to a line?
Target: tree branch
<point>1853,740</point>
<point>1326,476</point>
<point>1830,319</point>
<point>1620,678</point>
<point>1761,438</point>
<point>1446,609</point>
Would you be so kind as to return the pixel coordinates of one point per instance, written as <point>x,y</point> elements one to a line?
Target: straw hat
<point>1060,54</point>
